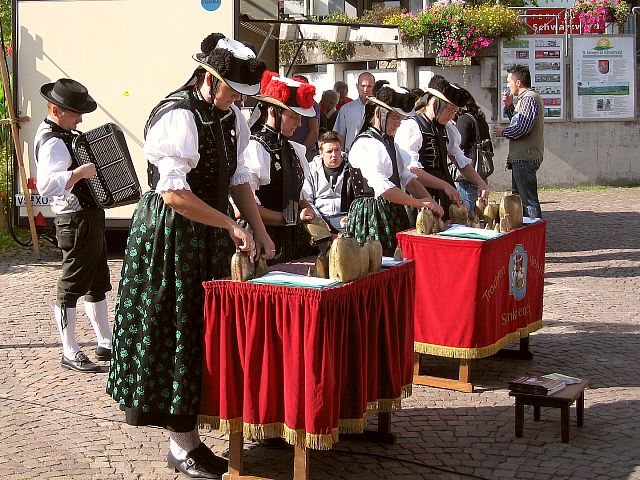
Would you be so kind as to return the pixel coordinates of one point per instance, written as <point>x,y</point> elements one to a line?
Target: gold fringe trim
<point>291,436</point>
<point>352,425</point>
<point>299,437</point>
<point>208,422</point>
<point>473,353</point>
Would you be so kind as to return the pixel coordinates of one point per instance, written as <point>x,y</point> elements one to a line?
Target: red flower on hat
<point>266,79</point>
<point>304,95</point>
<point>278,90</point>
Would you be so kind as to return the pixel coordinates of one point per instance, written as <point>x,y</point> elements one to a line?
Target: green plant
<point>337,50</point>
<point>457,30</point>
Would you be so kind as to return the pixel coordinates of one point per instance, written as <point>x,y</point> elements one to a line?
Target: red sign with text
<point>550,21</point>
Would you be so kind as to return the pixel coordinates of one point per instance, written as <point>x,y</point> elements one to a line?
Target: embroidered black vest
<point>359,183</point>
<point>287,175</point>
<point>81,188</point>
<point>433,152</point>
<point>217,146</point>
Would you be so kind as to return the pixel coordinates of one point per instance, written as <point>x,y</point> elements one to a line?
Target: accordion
<point>115,182</point>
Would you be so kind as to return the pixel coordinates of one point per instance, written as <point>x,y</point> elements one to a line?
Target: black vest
<point>217,146</point>
<point>279,192</point>
<point>433,152</point>
<point>358,182</point>
<point>81,189</point>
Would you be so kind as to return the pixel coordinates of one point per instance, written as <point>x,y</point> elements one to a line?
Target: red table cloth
<point>306,364</point>
<point>475,296</point>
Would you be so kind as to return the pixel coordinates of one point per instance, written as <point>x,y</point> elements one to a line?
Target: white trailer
<point>128,53</point>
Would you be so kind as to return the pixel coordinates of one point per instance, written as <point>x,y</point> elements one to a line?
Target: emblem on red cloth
<point>518,263</point>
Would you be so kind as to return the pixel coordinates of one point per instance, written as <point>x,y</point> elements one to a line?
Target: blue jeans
<point>525,183</point>
<point>469,194</point>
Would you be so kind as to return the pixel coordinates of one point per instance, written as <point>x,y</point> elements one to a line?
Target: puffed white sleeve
<point>301,152</point>
<point>53,161</point>
<point>172,146</point>
<point>453,146</point>
<point>408,140</point>
<point>372,159</point>
<point>242,174</point>
<point>258,163</point>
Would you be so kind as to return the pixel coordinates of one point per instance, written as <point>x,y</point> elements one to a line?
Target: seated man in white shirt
<point>326,183</point>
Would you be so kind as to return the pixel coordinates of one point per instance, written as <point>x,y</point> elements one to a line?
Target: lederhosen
<point>80,236</point>
<point>433,157</point>
<point>282,194</point>
<point>156,371</point>
<point>376,217</point>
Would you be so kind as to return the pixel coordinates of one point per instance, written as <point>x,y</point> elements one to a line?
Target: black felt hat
<point>70,95</point>
<point>231,62</point>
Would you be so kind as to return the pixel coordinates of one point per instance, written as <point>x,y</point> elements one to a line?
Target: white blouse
<point>373,160</point>
<point>172,146</point>
<point>408,141</point>
<point>258,163</point>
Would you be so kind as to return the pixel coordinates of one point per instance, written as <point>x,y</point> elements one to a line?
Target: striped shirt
<point>528,116</point>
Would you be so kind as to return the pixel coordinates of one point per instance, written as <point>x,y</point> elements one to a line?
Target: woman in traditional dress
<point>279,166</point>
<point>378,174</point>
<point>182,235</point>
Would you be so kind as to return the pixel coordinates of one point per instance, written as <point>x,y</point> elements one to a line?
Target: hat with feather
<point>290,94</point>
<point>231,62</point>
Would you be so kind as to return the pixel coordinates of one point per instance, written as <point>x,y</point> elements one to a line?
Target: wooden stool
<point>562,399</point>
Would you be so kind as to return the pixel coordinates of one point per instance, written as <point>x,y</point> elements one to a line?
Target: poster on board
<point>544,55</point>
<point>603,77</point>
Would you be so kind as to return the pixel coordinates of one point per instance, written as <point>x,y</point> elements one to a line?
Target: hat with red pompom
<point>293,95</point>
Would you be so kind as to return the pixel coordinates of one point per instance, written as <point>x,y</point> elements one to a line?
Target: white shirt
<point>408,140</point>
<point>258,162</point>
<point>53,162</point>
<point>172,146</point>
<point>373,160</point>
<point>349,121</point>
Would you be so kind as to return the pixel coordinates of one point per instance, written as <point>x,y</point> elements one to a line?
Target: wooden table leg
<point>580,409</point>
<point>523,353</point>
<point>300,463</point>
<point>519,417</point>
<point>464,370</point>
<point>236,447</point>
<point>462,384</point>
<point>536,413</point>
<point>416,364</point>
<point>564,422</point>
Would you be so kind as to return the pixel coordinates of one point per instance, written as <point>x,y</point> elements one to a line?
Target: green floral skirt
<point>377,218</point>
<point>159,313</point>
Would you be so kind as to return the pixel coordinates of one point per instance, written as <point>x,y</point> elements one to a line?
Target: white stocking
<point>66,322</point>
<point>181,443</point>
<point>99,316</point>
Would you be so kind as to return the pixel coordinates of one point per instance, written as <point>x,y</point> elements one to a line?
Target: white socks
<point>99,316</point>
<point>67,330</point>
<point>181,443</point>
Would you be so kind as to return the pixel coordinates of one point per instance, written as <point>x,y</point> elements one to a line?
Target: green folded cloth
<point>469,232</point>
<point>293,280</point>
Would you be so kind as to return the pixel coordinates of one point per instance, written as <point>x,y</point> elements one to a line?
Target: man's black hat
<point>70,95</point>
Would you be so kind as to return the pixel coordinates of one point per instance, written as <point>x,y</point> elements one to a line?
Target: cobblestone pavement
<point>59,424</point>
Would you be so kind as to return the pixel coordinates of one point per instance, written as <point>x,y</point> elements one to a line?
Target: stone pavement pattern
<point>59,424</point>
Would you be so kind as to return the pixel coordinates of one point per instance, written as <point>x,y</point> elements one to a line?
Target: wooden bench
<point>562,399</point>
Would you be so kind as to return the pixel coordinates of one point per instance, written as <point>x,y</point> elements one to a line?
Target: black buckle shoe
<point>80,363</point>
<point>192,466</point>
<point>103,353</point>
<point>213,462</point>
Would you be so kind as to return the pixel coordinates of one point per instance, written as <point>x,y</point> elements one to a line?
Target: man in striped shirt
<point>526,137</point>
